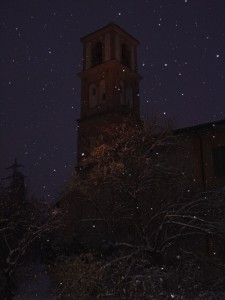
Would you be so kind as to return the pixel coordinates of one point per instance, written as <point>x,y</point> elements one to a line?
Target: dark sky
<point>181,57</point>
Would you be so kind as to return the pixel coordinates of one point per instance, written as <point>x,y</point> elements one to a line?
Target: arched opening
<point>102,92</point>
<point>97,54</point>
<point>122,94</point>
<point>92,96</point>
<point>125,55</point>
<point>129,97</point>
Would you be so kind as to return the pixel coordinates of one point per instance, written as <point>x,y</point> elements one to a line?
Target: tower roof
<point>110,27</point>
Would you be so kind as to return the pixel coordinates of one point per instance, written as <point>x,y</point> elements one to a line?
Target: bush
<point>134,276</point>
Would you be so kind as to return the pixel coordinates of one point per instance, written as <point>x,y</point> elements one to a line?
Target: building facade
<point>109,82</point>
<point>206,154</point>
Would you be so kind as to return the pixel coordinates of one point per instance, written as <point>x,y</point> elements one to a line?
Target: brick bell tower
<point>109,82</point>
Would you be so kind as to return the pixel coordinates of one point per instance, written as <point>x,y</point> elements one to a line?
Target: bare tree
<point>19,229</point>
<point>133,187</point>
<point>133,191</point>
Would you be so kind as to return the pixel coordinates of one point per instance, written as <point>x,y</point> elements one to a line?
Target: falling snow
<point>180,58</point>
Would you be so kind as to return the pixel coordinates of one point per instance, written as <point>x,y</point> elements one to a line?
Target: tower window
<point>129,97</point>
<point>125,55</point>
<point>97,54</point>
<point>92,96</point>
<point>218,155</point>
<point>122,93</point>
<point>102,91</point>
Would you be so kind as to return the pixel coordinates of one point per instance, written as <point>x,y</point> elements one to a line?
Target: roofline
<point>201,126</point>
<point>105,27</point>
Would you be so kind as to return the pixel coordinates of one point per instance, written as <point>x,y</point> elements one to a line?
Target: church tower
<point>109,82</point>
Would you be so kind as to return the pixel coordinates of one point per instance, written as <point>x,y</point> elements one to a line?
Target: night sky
<point>181,57</point>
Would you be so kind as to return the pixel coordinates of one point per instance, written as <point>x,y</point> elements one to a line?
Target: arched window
<point>129,97</point>
<point>97,54</point>
<point>92,96</point>
<point>122,93</point>
<point>125,55</point>
<point>102,92</point>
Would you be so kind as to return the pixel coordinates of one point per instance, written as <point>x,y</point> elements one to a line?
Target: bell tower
<point>109,81</point>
